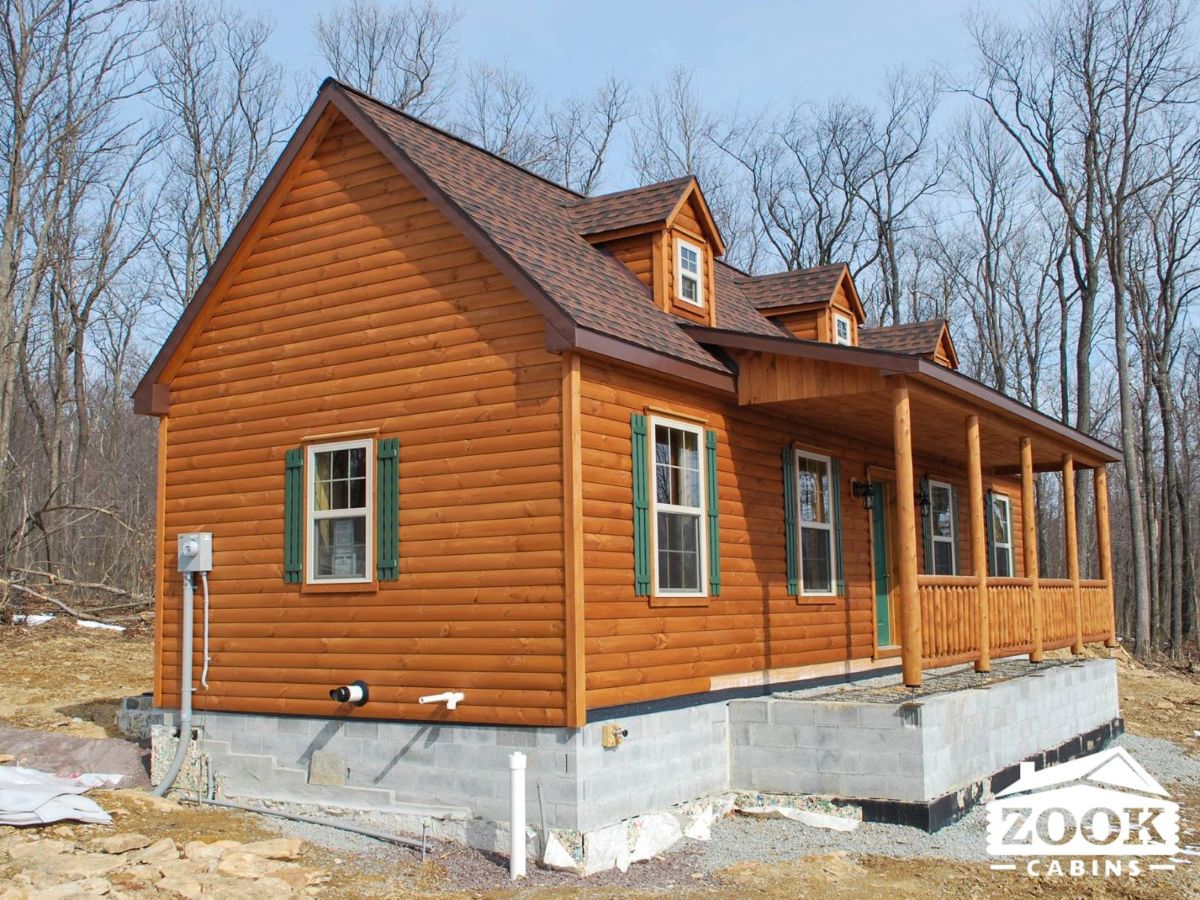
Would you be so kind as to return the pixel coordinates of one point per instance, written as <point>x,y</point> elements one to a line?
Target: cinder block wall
<point>916,752</point>
<point>919,751</point>
<point>668,757</point>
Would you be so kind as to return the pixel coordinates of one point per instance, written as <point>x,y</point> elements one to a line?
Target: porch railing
<point>950,616</point>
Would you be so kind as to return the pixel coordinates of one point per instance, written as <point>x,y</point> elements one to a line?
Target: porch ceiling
<point>848,391</point>
<point>938,430</point>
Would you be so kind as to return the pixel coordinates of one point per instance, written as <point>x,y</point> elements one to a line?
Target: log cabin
<point>459,432</point>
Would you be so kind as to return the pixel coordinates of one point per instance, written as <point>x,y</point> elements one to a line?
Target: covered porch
<point>904,409</point>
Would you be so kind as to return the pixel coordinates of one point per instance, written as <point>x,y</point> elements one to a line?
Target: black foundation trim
<point>936,814</point>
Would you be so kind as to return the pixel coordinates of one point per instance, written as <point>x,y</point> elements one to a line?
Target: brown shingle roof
<point>624,209</point>
<point>534,222</point>
<point>815,285</point>
<point>916,338</point>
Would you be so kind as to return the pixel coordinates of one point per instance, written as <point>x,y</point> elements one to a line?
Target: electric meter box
<point>195,551</point>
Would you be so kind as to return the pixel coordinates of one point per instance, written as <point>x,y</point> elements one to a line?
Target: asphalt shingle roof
<point>535,223</point>
<point>916,338</point>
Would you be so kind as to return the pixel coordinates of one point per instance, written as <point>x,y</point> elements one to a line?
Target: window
<point>815,521</point>
<point>690,287</point>
<point>841,330</point>
<point>339,511</point>
<point>679,540</point>
<point>943,530</point>
<point>1002,548</point>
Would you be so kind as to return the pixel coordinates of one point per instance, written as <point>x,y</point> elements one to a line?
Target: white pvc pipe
<point>516,816</point>
<point>204,670</point>
<point>185,687</point>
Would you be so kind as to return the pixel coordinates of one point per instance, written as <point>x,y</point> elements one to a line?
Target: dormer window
<point>689,273</point>
<point>841,330</point>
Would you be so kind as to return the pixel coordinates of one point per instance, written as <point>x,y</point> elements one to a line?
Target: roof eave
<point>889,363</point>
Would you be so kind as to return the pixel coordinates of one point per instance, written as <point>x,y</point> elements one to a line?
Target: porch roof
<point>848,390</point>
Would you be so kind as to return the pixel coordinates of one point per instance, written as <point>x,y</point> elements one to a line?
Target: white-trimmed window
<point>1002,543</point>
<point>943,530</point>
<point>339,511</point>
<point>842,330</point>
<point>689,269</point>
<point>678,515</point>
<point>814,519</point>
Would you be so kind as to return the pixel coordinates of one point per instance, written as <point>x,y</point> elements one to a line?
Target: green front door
<point>879,543</point>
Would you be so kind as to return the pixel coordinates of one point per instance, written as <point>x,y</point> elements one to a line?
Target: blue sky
<point>743,54</point>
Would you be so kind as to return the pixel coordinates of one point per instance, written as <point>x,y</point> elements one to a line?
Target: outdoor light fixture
<point>862,490</point>
<point>924,503</point>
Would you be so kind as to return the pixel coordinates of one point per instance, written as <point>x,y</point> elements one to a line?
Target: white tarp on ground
<point>30,797</point>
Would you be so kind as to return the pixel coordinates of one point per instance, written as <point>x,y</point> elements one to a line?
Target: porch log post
<point>1068,474</point>
<point>983,662</point>
<point>1029,531</point>
<point>1104,542</point>
<point>910,601</point>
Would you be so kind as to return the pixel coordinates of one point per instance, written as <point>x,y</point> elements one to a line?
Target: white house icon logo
<point>1102,805</point>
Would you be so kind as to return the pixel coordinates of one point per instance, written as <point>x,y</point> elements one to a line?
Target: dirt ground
<point>61,678</point>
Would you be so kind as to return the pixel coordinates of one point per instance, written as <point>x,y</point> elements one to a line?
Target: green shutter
<point>293,515</point>
<point>954,530</point>
<point>387,509</point>
<point>641,507</point>
<point>836,468</point>
<point>789,520</point>
<point>988,512</point>
<point>714,531</point>
<point>927,527</point>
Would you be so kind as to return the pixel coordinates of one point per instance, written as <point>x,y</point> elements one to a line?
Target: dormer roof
<point>785,291</point>
<point>644,208</point>
<point>929,339</point>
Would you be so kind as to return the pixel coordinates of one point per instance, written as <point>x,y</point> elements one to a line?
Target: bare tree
<point>223,122</point>
<point>401,54</point>
<point>501,112</point>
<point>675,135</point>
<point>579,135</point>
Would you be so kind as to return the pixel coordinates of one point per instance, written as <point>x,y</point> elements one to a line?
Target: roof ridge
<point>584,199</point>
<point>807,269</point>
<point>937,320</point>
<point>449,134</point>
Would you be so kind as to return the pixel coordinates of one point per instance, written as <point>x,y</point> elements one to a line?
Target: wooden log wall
<point>636,651</point>
<point>363,309</point>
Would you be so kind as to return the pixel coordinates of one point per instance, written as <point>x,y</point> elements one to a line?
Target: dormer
<point>818,304</point>
<point>930,340</point>
<point>665,234</point>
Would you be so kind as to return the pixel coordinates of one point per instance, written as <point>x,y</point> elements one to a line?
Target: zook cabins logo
<point>1101,815</point>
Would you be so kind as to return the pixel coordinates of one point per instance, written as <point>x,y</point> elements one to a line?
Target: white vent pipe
<point>516,816</point>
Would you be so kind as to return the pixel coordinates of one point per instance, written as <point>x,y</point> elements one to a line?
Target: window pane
<point>1000,520</point>
<point>341,547</point>
<point>689,289</point>
<point>339,458</point>
<point>677,466</point>
<point>816,559</point>
<point>813,490</point>
<point>689,261</point>
<point>1003,562</point>
<point>678,552</point>
<point>943,558</point>
<point>943,512</point>
<point>358,462</point>
<point>358,493</point>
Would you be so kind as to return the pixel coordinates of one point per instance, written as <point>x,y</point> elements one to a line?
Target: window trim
<point>1007,546</point>
<point>829,527</point>
<point>656,589</point>
<point>680,243</point>
<point>312,515</point>
<point>934,536</point>
<point>842,317</point>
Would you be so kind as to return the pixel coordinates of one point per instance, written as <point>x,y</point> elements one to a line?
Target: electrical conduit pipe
<point>185,688</point>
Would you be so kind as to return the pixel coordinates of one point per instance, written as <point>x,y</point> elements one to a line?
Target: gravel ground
<point>890,689</point>
<point>735,839</point>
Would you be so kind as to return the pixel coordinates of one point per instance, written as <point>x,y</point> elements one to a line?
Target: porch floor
<point>890,688</point>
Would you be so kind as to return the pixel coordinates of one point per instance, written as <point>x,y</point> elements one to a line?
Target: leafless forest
<point>1044,199</point>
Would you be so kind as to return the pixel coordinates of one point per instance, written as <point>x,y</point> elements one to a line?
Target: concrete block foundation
<point>908,752</point>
